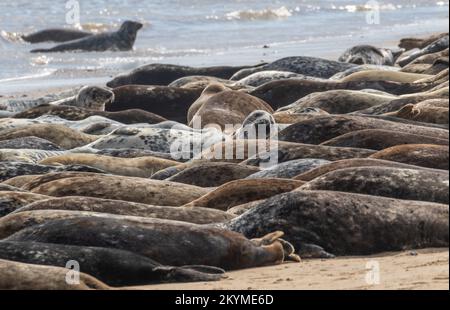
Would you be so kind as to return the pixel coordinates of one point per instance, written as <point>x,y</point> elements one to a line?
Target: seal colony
<point>143,181</point>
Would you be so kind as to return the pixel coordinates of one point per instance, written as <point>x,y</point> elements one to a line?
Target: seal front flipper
<point>205,269</point>
<point>308,250</point>
<point>183,274</point>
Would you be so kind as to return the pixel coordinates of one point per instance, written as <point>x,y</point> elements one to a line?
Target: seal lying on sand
<point>436,46</point>
<point>309,66</point>
<point>121,40</point>
<point>242,191</point>
<point>435,115</point>
<point>20,276</point>
<point>323,128</point>
<point>10,170</point>
<point>195,245</point>
<point>351,163</point>
<point>348,224</point>
<point>259,78</point>
<point>133,116</point>
<point>411,43</point>
<point>113,267</point>
<point>170,102</point>
<point>424,155</point>
<point>89,97</point>
<point>421,185</point>
<point>55,35</point>
<point>11,201</point>
<point>379,139</point>
<point>135,167</point>
<point>190,215</point>
<point>164,74</point>
<point>367,54</point>
<point>123,188</point>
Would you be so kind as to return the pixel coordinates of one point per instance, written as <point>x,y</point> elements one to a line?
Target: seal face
<point>368,54</point>
<point>145,240</point>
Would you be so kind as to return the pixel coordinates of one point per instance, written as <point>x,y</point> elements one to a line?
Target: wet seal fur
<point>55,35</point>
<point>196,245</point>
<point>354,225</point>
<point>399,183</point>
<point>121,40</point>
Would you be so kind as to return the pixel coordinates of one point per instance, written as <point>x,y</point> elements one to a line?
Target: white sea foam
<point>265,14</point>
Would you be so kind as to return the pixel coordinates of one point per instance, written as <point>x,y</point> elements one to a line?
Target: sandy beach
<point>425,269</point>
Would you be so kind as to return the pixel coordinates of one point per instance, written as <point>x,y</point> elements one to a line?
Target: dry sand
<point>421,269</point>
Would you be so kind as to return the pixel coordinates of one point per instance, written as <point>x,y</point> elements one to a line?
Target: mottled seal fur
<point>368,54</point>
<point>411,184</point>
<point>424,155</point>
<point>135,167</point>
<point>170,102</point>
<point>20,276</point>
<point>436,46</point>
<point>11,201</point>
<point>351,163</point>
<point>123,188</point>
<point>131,116</point>
<point>379,139</point>
<point>309,66</point>
<point>257,125</point>
<point>10,169</point>
<point>32,143</point>
<point>113,267</point>
<point>348,224</point>
<point>324,128</point>
<point>58,134</point>
<point>164,74</point>
<point>289,169</point>
<point>427,114</point>
<point>195,245</point>
<point>284,92</point>
<point>382,75</point>
<point>229,108</point>
<point>55,35</point>
<point>412,43</point>
<point>201,81</point>
<point>337,101</point>
<point>26,155</point>
<point>89,97</point>
<point>259,78</point>
<point>211,174</point>
<point>121,40</point>
<point>190,215</point>
<point>284,151</point>
<point>242,191</point>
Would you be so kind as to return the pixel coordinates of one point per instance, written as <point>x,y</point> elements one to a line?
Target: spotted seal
<point>423,113</point>
<point>436,46</point>
<point>379,139</point>
<point>289,169</point>
<point>32,143</point>
<point>400,183</point>
<point>121,40</point>
<point>424,155</point>
<point>259,78</point>
<point>26,155</point>
<point>355,224</point>
<point>11,201</point>
<point>309,66</point>
<point>368,54</point>
<point>411,43</point>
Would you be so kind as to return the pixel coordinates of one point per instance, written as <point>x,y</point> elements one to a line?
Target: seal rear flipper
<point>308,250</point>
<point>205,269</point>
<point>181,274</point>
<point>268,239</point>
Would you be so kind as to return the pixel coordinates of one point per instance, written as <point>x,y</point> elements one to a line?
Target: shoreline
<point>407,270</point>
